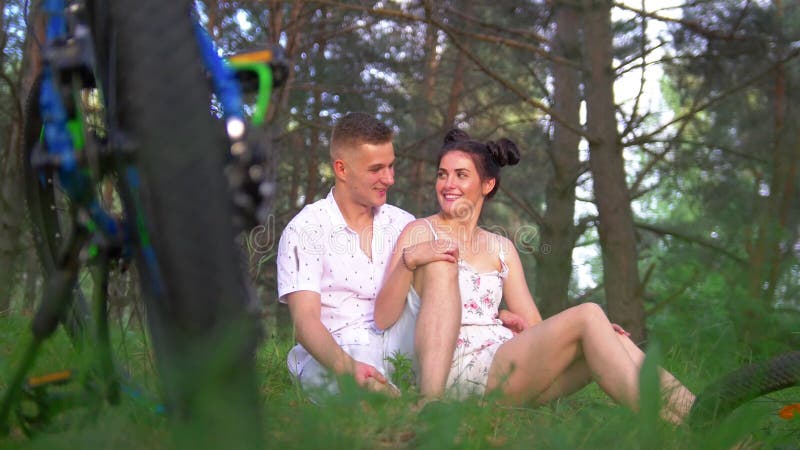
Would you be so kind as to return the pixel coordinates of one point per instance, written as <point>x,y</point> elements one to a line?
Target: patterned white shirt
<point>318,252</point>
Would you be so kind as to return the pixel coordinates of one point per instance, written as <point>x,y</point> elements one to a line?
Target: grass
<point>361,420</point>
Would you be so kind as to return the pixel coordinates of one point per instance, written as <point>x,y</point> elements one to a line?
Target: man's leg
<point>437,327</point>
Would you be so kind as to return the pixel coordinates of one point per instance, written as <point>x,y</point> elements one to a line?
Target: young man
<point>331,263</point>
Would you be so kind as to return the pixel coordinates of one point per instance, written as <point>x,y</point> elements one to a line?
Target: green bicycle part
<point>264,74</point>
<point>76,126</point>
<point>75,129</point>
<point>141,228</point>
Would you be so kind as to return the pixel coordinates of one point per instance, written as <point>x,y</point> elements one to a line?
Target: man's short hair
<point>357,128</point>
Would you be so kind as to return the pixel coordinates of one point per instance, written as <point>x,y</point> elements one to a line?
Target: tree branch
<point>691,239</point>
<point>451,33</point>
<point>686,24</point>
<point>524,33</point>
<point>523,205</point>
<point>702,106</point>
<point>675,295</point>
<point>508,86</point>
<point>12,89</point>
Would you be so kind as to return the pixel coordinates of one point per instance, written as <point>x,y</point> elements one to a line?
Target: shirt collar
<point>337,219</point>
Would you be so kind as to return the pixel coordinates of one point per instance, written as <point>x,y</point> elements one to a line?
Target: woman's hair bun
<point>504,152</point>
<point>455,135</point>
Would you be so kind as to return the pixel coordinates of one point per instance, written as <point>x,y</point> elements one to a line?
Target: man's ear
<point>339,168</point>
<point>488,185</point>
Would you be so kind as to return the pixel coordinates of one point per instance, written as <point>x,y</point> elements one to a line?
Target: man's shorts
<point>399,338</point>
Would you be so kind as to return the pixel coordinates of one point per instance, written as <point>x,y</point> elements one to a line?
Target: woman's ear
<point>488,185</point>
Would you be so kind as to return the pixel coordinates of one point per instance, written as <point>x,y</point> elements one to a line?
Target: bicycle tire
<point>199,305</point>
<point>731,391</point>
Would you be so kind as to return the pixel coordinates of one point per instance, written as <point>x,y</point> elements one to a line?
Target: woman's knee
<point>591,312</point>
<point>440,286</point>
<point>439,272</point>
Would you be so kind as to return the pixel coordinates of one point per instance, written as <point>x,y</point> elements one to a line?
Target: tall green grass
<point>360,420</point>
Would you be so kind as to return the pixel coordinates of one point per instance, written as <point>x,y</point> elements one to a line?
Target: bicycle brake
<point>248,179</point>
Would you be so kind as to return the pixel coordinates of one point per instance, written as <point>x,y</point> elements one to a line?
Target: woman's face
<point>459,188</point>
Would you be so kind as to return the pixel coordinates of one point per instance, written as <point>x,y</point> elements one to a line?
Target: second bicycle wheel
<point>200,309</point>
<point>767,396</point>
<point>45,204</point>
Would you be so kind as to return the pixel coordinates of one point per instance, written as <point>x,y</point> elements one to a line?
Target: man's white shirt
<point>318,252</point>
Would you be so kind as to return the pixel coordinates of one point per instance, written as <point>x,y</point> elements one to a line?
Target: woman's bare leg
<point>679,399</point>
<point>578,374</point>
<point>574,378</point>
<point>438,324</point>
<point>527,366</point>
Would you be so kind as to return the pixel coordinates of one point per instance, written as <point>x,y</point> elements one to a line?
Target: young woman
<point>541,359</point>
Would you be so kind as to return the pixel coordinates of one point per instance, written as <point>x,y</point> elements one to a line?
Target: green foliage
<point>709,191</point>
<point>404,376</point>
<point>722,185</point>
<point>359,419</point>
<point>650,401</point>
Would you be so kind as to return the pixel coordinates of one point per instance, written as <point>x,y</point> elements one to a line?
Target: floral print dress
<point>481,332</point>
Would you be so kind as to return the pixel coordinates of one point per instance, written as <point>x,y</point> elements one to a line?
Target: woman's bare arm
<point>417,244</point>
<point>516,293</point>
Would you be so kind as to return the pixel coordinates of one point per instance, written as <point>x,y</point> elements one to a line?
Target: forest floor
<point>357,419</point>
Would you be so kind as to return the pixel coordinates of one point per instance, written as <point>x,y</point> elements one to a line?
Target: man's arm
<point>305,307</point>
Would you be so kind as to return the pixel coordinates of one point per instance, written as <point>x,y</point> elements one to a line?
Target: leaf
<point>650,397</point>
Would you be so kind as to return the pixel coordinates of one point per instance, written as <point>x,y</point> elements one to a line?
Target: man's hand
<point>513,322</point>
<point>369,378</point>
<point>428,252</point>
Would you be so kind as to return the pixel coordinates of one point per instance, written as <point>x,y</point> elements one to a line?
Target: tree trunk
<point>616,229</point>
<point>12,207</point>
<point>456,90</point>
<point>557,228</point>
<point>770,243</point>
<point>423,125</point>
<point>312,161</point>
<point>295,142</point>
<point>5,264</point>
<point>11,214</point>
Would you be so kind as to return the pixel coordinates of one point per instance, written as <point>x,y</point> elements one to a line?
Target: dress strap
<point>430,225</point>
<point>501,253</point>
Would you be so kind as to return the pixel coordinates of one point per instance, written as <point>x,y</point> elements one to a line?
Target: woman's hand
<point>427,252</point>
<point>513,322</point>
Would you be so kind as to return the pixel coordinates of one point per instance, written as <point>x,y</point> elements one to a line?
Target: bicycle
<point>148,63</point>
<point>770,388</point>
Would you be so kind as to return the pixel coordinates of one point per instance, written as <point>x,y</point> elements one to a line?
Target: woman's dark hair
<point>488,157</point>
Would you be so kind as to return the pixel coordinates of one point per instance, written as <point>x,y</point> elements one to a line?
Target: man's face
<point>371,172</point>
